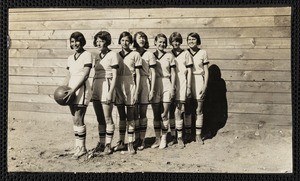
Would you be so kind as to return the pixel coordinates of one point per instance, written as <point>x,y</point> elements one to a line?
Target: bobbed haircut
<point>175,36</point>
<point>103,35</point>
<point>161,35</point>
<point>78,37</point>
<point>124,34</point>
<point>194,35</point>
<point>142,34</point>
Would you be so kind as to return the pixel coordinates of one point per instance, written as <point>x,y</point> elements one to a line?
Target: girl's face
<point>175,44</point>
<point>100,43</point>
<point>161,43</point>
<point>192,42</point>
<point>125,42</point>
<point>75,45</point>
<point>140,40</point>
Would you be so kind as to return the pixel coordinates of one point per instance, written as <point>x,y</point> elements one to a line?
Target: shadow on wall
<point>215,108</point>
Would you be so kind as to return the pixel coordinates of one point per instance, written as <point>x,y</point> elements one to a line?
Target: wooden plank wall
<point>251,46</point>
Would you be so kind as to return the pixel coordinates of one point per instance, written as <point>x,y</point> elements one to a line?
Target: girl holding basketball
<point>164,90</point>
<point>127,90</point>
<point>140,42</point>
<point>199,78</point>
<point>184,65</point>
<point>79,66</point>
<point>106,65</point>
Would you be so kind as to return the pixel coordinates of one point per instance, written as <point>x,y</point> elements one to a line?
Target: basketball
<point>60,93</point>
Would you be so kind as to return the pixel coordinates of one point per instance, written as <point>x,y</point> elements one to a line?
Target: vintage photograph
<point>197,90</point>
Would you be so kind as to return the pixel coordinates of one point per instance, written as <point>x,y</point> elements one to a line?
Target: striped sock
<point>199,123</point>
<point>130,130</point>
<point>188,123</point>
<point>172,127</point>
<point>122,129</point>
<point>179,124</point>
<point>102,133</point>
<point>81,135</point>
<point>136,129</point>
<point>143,127</point>
<point>76,136</point>
<point>157,128</point>
<point>109,133</point>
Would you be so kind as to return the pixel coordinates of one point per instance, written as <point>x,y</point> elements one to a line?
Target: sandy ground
<point>37,146</point>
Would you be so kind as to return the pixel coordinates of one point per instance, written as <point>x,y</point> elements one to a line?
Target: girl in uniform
<point>127,90</point>
<point>199,78</point>
<point>79,66</point>
<point>164,89</point>
<point>140,42</point>
<point>184,65</point>
<point>106,65</point>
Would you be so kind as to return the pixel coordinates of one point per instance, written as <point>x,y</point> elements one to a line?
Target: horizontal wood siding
<point>251,46</point>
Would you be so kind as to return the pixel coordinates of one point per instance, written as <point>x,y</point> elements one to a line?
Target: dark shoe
<point>120,146</point>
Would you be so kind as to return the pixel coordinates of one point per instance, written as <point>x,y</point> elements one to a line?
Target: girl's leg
<point>122,128</point>
<point>110,127</point>
<point>143,125</point>
<point>172,123</point>
<point>80,130</point>
<point>131,111</point>
<point>156,123</point>
<point>98,108</point>
<point>137,125</point>
<point>179,123</point>
<point>199,121</point>
<point>164,125</point>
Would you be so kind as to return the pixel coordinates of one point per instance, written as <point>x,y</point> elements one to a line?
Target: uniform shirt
<point>200,59</point>
<point>148,60</point>
<point>104,65</point>
<point>76,66</point>
<point>131,61</point>
<point>164,65</point>
<point>183,60</point>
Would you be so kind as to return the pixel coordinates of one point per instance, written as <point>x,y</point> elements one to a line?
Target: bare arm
<point>138,79</point>
<point>153,76</point>
<point>173,80</point>
<point>67,79</point>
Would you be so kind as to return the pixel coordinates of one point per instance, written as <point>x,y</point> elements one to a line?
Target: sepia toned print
<point>247,117</point>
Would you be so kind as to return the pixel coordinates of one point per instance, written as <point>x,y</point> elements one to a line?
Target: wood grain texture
<point>251,46</point>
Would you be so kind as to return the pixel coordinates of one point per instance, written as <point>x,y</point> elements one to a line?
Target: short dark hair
<point>78,37</point>
<point>161,35</point>
<point>123,34</point>
<point>103,35</point>
<point>175,36</point>
<point>142,34</point>
<point>194,35</point>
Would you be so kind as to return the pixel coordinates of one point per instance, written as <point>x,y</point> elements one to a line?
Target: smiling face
<point>161,43</point>
<point>125,42</point>
<point>100,43</point>
<point>141,41</point>
<point>192,42</point>
<point>75,44</point>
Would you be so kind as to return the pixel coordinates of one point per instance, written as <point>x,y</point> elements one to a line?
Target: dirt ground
<point>37,146</point>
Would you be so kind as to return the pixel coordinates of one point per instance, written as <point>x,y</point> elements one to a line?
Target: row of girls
<point>132,79</point>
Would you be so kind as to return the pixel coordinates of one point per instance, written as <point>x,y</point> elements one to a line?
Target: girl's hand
<point>202,93</point>
<point>151,93</point>
<point>70,93</point>
<point>173,92</point>
<point>135,98</point>
<point>108,98</point>
<point>188,92</point>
